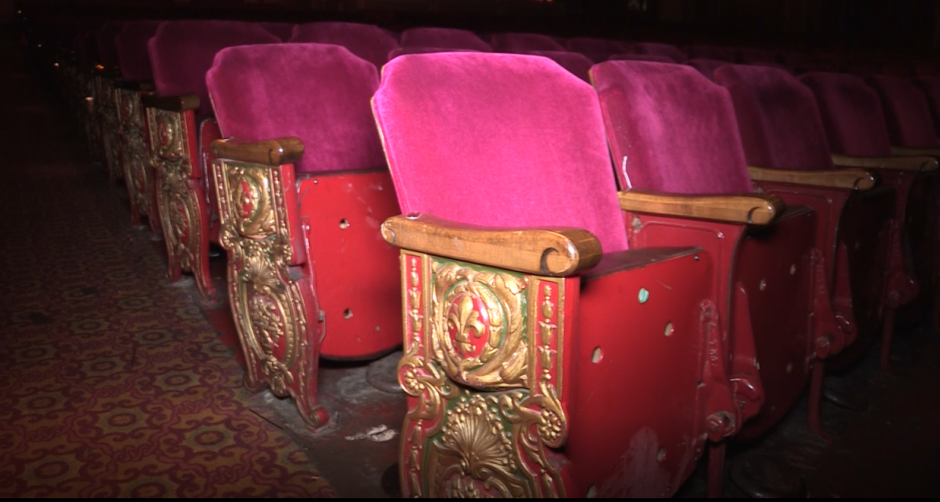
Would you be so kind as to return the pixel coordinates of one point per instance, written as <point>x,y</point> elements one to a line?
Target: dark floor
<point>890,449</point>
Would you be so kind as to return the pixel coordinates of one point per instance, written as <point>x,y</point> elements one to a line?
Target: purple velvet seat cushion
<point>523,43</point>
<point>596,49</point>
<point>851,114</point>
<point>283,31</point>
<point>364,40</point>
<point>667,51</point>
<point>699,51</point>
<point>907,112</point>
<point>670,129</point>
<point>578,64</point>
<point>931,88</point>
<point>777,116</point>
<point>132,52</point>
<point>107,47</point>
<point>707,67</point>
<point>319,94</point>
<point>181,53</point>
<point>499,140</point>
<point>449,38</point>
<point>642,57</point>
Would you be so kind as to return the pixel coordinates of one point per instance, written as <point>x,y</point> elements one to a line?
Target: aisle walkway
<point>112,382</point>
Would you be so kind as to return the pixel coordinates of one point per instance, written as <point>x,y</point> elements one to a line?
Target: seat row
<point>593,284</point>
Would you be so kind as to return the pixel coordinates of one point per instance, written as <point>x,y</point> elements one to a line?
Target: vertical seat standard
<point>302,188</point>
<point>364,40</point>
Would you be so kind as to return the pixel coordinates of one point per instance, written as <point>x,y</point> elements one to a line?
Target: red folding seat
<point>283,31</point>
<point>596,49</point>
<point>701,51</point>
<point>767,272</point>
<point>706,67</point>
<point>542,356</point>
<point>136,78</point>
<point>641,57</point>
<point>785,143</point>
<point>578,64</point>
<point>668,51</point>
<point>444,38</point>
<point>855,127</point>
<point>179,120</point>
<point>422,50</point>
<point>364,40</point>
<point>523,43</point>
<point>302,187</point>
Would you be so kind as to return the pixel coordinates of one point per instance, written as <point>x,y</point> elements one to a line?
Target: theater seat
<point>283,31</point>
<point>668,51</point>
<point>596,49</point>
<point>364,40</point>
<point>521,43</point>
<point>179,117</point>
<point>105,74</point>
<point>302,188</point>
<point>578,64</point>
<point>539,349</point>
<point>445,38</point>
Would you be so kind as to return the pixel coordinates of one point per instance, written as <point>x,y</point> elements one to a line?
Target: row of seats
<point>595,283</point>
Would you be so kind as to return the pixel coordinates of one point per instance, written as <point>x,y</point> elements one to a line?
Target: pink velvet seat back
<point>107,47</point>
<point>499,140</point>
<point>670,129</point>
<point>401,51</point>
<point>319,94</point>
<point>364,40</point>
<point>133,57</point>
<point>578,64</point>
<point>445,38</point>
<point>907,112</point>
<point>931,88</point>
<point>182,51</point>
<point>699,51</point>
<point>777,117</point>
<point>523,43</point>
<point>596,49</point>
<point>641,57</point>
<point>851,114</point>
<point>667,51</point>
<point>706,67</point>
<point>283,31</point>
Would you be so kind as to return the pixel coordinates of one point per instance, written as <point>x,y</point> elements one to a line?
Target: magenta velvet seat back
<point>777,116</point>
<point>907,112</point>
<point>320,94</point>
<point>667,51</point>
<point>107,47</point>
<point>182,51</point>
<point>931,88</point>
<point>670,129</point>
<point>596,49</point>
<point>501,140</point>
<point>578,64</point>
<point>522,43</point>
<point>364,40</point>
<point>283,31</point>
<point>851,113</point>
<point>133,57</point>
<point>641,57</point>
<point>401,51</point>
<point>706,67</point>
<point>445,38</point>
<point>699,51</point>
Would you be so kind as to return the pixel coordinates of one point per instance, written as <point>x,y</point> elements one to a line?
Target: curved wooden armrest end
<point>920,163</point>
<point>178,103</point>
<point>751,209</point>
<point>272,152</point>
<point>557,252</point>
<point>846,178</point>
<point>915,152</point>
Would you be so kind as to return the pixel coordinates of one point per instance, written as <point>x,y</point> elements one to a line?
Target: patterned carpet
<point>112,382</point>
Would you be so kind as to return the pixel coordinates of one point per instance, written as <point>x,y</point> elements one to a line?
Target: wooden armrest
<point>846,178</point>
<point>272,152</point>
<point>915,152</point>
<point>179,103</point>
<point>752,209</point>
<point>555,252</point>
<point>901,163</point>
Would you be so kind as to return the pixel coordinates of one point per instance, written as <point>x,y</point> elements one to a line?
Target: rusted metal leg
<point>815,397</point>
<point>716,469</point>
<point>887,331</point>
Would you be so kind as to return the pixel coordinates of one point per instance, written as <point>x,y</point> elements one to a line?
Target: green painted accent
<point>644,295</point>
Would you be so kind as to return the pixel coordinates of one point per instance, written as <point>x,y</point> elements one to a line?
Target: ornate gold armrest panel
<point>555,252</point>
<point>751,209</point>
<point>484,351</point>
<point>901,163</point>
<point>847,178</point>
<point>273,152</point>
<point>915,152</point>
<point>179,103</point>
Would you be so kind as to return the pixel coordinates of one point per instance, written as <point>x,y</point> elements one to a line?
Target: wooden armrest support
<point>752,209</point>
<point>915,152</point>
<point>178,103</point>
<point>901,163</point>
<point>846,178</point>
<point>272,152</point>
<point>555,252</point>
